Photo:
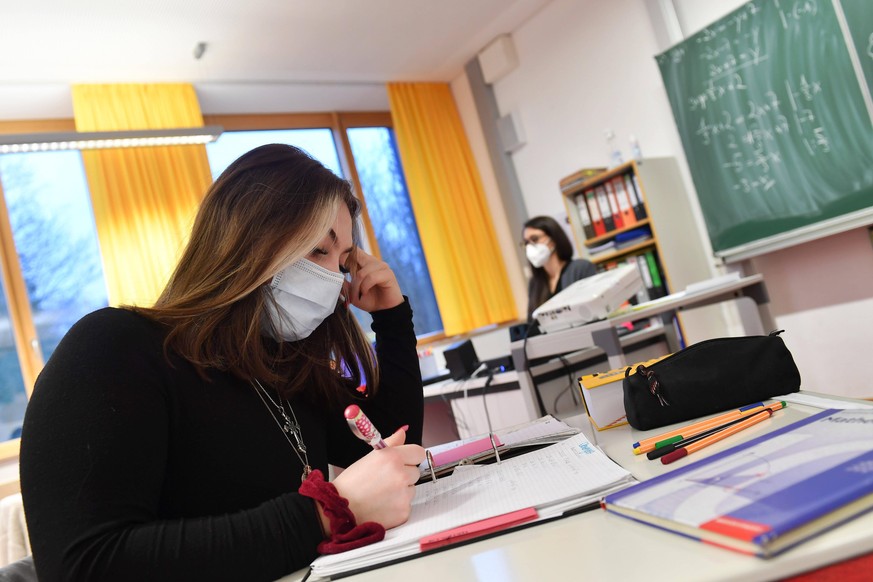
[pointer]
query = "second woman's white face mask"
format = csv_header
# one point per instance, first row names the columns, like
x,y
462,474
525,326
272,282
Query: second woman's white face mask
x,y
538,254
306,294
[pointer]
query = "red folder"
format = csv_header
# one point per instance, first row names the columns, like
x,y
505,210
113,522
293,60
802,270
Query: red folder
x,y
617,219
594,210
624,203
477,528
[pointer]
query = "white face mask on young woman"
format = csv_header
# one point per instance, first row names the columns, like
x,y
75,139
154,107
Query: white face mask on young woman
x,y
305,294
538,254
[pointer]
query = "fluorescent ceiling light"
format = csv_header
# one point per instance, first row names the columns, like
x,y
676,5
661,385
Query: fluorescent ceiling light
x,y
76,140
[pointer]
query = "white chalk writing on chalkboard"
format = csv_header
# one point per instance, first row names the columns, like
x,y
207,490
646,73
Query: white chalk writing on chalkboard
x,y
775,130
760,121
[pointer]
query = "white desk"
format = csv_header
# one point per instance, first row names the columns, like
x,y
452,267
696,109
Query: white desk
x,y
749,294
600,546
455,409
450,389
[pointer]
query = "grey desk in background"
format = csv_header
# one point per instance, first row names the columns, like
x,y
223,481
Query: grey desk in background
x,y
748,293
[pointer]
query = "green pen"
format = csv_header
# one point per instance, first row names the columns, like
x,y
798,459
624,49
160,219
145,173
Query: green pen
x,y
668,441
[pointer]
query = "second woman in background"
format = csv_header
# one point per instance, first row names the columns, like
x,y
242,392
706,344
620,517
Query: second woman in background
x,y
551,255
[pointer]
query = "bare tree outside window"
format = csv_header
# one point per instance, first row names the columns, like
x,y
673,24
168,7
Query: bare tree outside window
x,y
56,242
390,211
13,399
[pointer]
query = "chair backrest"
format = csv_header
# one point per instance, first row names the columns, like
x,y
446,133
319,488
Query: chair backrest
x,y
14,541
21,570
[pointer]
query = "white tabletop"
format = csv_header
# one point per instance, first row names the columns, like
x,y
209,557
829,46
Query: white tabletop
x,y
600,546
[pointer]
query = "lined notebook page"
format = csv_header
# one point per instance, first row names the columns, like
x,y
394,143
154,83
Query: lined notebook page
x,y
543,428
571,468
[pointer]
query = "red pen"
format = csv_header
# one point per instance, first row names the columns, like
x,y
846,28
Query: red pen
x,y
363,428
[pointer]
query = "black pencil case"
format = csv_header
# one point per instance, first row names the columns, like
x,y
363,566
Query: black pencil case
x,y
707,377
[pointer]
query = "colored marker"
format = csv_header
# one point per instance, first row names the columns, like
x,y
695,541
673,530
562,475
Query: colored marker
x,y
672,443
714,438
363,428
646,445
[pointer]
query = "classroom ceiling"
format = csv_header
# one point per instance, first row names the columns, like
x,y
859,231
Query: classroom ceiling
x,y
267,41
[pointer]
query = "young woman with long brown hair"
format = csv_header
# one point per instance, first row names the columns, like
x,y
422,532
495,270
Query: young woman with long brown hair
x,y
169,442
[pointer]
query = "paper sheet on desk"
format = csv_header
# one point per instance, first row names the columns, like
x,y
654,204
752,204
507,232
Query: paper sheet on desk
x,y
540,430
552,479
712,283
823,403
647,304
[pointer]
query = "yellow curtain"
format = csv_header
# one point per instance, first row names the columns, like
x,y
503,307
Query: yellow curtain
x,y
457,234
144,199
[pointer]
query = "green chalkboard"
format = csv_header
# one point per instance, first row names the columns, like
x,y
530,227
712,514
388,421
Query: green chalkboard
x,y
772,104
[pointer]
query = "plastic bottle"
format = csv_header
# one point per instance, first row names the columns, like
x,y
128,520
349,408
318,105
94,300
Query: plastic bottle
x,y
615,157
636,152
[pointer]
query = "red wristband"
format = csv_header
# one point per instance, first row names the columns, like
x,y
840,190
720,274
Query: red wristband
x,y
345,534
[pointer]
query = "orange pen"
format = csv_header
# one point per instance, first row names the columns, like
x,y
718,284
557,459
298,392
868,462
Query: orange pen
x,y
723,434
646,445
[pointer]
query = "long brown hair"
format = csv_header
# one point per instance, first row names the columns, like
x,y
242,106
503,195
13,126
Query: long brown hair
x,y
539,290
269,208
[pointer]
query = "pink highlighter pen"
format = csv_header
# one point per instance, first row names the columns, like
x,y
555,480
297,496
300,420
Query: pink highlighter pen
x,y
363,428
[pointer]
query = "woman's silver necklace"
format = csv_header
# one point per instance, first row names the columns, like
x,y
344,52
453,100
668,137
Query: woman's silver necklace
x,y
290,428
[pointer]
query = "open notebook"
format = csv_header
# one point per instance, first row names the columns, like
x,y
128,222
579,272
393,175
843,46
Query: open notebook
x,y
552,480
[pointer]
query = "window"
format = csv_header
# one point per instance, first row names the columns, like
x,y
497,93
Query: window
x,y
13,398
318,143
384,187
388,216
55,239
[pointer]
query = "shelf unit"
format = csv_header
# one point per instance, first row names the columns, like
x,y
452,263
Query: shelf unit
x,y
605,211
678,240
622,193
606,257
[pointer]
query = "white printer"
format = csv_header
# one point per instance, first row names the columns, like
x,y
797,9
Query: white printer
x,y
589,299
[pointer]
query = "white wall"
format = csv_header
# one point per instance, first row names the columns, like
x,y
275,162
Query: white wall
x,y
585,66
576,78
822,295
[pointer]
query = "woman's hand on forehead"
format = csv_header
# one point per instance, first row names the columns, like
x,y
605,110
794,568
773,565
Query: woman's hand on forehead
x,y
373,286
